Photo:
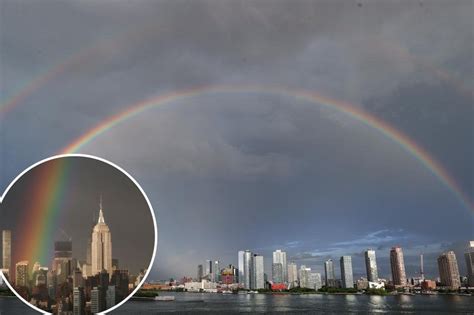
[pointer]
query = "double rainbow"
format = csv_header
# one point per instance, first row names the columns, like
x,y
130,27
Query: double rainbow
x,y
352,111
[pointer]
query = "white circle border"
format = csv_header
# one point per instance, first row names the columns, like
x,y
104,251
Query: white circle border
x,y
150,207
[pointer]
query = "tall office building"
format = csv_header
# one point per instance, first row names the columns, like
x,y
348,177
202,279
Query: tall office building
x,y
208,270
469,256
397,265
247,271
240,266
292,275
101,246
448,270
258,273
346,272
329,273
217,268
79,301
371,265
22,274
200,273
7,250
279,257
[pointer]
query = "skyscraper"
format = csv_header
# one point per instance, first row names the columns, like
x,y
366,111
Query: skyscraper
x,y
217,269
200,273
469,256
279,257
7,250
292,275
329,273
304,275
397,265
22,275
241,266
448,270
258,273
314,281
101,251
277,273
371,265
346,272
247,271
208,271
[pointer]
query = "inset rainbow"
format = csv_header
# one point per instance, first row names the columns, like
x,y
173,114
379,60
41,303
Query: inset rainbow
x,y
40,220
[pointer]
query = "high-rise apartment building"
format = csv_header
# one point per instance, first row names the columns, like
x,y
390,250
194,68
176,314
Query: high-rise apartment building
x,y
329,273
277,273
279,257
101,251
315,281
448,270
292,275
371,265
397,265
469,256
346,272
304,275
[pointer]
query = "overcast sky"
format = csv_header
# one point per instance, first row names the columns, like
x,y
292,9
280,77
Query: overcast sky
x,y
232,171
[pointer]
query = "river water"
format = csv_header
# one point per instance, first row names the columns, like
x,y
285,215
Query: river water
x,y
262,303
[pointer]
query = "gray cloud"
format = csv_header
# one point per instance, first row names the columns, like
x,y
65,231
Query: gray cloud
x,y
255,171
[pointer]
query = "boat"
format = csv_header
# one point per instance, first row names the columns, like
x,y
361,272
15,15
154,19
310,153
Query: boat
x,y
165,298
226,292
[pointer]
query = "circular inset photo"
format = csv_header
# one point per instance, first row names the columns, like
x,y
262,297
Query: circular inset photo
x,y
78,235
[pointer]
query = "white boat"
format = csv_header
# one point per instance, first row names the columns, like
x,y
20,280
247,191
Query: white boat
x,y
165,298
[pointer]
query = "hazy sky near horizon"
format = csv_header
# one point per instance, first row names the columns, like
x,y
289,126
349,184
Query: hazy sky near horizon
x,y
259,171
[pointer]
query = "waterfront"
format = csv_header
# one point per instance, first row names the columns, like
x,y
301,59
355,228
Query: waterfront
x,y
308,303
264,303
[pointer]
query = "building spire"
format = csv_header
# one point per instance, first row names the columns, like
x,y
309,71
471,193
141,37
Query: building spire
x,y
101,213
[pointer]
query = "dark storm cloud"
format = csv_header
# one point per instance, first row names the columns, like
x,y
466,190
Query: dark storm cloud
x,y
125,210
255,171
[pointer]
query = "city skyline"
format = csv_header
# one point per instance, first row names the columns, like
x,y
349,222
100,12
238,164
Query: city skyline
x,y
69,284
446,262
89,188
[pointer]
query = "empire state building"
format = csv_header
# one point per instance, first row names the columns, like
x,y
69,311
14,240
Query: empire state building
x,y
101,251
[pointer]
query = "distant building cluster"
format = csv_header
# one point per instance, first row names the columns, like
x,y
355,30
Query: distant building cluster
x,y
72,286
250,274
